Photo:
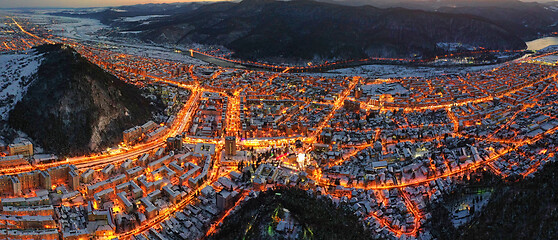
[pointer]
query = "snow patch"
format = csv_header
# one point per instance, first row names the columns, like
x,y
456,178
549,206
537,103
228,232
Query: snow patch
x,y
118,10
141,18
17,72
131,32
402,71
76,28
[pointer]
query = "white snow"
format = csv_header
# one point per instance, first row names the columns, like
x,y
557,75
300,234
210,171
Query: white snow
x,y
17,72
460,211
141,18
454,46
131,32
87,30
551,59
401,71
384,88
118,10
76,28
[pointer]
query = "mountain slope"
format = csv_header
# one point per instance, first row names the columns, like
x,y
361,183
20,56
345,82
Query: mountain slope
x,y
426,4
527,20
74,106
527,209
517,209
18,71
305,29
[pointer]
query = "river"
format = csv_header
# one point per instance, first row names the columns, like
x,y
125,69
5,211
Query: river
x,y
541,43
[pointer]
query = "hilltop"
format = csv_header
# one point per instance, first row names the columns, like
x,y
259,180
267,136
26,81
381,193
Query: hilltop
x,y
307,217
74,107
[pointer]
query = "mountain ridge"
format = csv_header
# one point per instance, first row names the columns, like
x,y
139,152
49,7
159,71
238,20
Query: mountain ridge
x,y
307,30
268,29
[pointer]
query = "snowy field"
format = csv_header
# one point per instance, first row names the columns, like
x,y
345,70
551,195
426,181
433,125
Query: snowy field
x,y
88,32
75,28
384,88
18,71
141,18
401,71
551,59
158,52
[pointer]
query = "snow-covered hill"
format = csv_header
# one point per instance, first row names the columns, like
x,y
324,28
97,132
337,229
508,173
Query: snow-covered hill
x,y
17,72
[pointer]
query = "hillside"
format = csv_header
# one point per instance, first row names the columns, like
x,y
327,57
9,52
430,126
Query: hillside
x,y
527,20
296,30
18,72
427,4
524,209
311,217
256,29
74,107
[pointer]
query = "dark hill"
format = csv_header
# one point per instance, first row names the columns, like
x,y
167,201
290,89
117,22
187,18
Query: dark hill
x,y
304,29
75,107
527,209
317,218
517,209
529,21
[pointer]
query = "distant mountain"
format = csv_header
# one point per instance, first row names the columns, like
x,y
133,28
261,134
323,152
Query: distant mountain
x,y
302,29
424,4
527,20
306,30
74,107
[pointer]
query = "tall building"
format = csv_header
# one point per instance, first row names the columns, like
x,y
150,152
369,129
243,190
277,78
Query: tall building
x,y
178,142
174,143
131,135
45,180
24,147
73,180
148,126
230,146
358,91
225,199
30,180
10,185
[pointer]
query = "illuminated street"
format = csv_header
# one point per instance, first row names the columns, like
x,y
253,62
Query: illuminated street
x,y
387,147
